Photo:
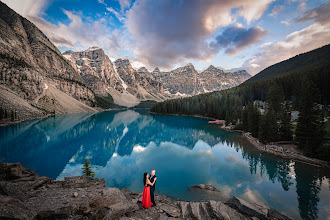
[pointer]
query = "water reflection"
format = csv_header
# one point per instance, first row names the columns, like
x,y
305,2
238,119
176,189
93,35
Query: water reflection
x,y
185,151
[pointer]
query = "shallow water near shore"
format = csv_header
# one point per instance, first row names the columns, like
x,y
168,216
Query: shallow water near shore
x,y
185,151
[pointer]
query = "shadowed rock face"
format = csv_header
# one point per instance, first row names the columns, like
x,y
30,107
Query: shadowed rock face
x,y
25,195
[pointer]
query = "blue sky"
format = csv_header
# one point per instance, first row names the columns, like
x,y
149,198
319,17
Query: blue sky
x,y
171,33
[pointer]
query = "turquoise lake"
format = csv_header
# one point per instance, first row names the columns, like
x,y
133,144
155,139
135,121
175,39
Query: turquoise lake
x,y
185,151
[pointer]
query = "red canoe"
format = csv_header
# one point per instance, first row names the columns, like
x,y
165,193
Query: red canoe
x,y
216,122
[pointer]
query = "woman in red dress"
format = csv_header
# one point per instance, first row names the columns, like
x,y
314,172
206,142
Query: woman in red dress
x,y
146,200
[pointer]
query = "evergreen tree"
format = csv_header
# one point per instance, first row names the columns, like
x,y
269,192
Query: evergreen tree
x,y
1,113
285,130
87,170
12,117
309,128
275,97
268,127
253,119
245,119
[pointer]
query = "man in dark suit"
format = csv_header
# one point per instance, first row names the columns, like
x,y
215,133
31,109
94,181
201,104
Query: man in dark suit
x,y
152,188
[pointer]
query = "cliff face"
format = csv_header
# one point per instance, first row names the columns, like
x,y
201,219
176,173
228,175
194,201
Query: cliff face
x,y
140,83
92,63
30,63
181,81
187,81
214,79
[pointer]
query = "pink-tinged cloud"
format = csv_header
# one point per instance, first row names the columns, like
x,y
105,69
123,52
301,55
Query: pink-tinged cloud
x,y
167,32
276,10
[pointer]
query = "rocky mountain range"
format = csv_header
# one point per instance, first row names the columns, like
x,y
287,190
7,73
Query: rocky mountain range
x,y
186,81
125,85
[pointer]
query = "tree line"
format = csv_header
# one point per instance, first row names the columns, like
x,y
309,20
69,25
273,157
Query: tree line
x,y
4,114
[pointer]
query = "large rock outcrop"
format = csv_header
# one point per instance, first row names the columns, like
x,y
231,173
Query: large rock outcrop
x,y
30,63
25,195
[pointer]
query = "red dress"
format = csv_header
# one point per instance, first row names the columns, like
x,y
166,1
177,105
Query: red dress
x,y
146,199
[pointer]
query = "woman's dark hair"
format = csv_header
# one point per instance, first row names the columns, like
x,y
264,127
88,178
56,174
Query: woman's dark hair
x,y
145,178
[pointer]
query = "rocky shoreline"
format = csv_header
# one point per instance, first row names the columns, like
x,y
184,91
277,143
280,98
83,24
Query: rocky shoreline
x,y
284,152
26,195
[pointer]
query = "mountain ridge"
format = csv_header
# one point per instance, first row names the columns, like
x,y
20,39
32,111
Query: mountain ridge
x,y
186,81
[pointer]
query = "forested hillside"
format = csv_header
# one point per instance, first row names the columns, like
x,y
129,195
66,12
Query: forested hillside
x,y
301,83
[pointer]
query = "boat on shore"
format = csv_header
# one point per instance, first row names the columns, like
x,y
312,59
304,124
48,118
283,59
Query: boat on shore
x,y
218,122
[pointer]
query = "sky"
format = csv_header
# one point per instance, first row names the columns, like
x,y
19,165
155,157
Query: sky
x,y
245,34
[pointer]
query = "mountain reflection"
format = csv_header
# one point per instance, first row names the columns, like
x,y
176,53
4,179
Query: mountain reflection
x,y
121,145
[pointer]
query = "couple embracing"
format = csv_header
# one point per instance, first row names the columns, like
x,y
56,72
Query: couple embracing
x,y
148,198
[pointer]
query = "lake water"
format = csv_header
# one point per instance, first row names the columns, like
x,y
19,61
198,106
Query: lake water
x,y
122,145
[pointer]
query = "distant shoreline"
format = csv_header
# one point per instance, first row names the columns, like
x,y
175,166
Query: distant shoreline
x,y
8,122
195,116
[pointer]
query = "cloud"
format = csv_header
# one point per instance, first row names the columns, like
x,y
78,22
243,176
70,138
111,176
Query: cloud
x,y
102,2
287,23
27,7
117,14
167,32
237,37
302,7
277,9
124,4
319,14
266,44
314,36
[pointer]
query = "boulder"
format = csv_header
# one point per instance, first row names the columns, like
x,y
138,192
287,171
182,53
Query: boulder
x,y
212,192
255,210
207,187
208,210
10,170
170,210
